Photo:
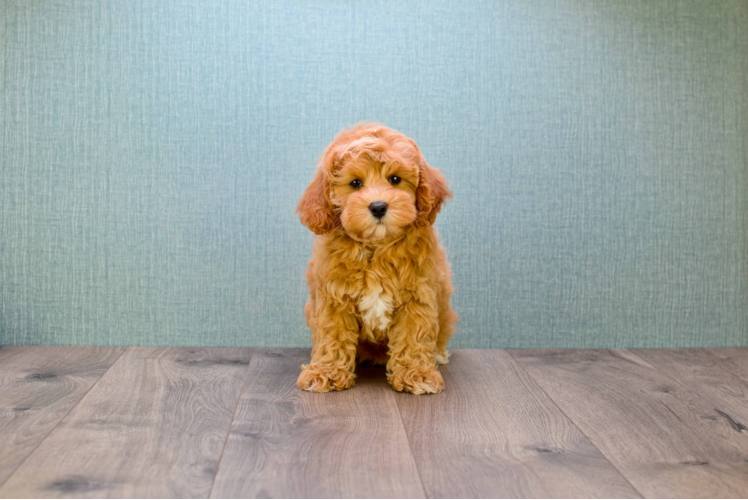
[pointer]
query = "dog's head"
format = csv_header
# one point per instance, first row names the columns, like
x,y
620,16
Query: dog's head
x,y
373,183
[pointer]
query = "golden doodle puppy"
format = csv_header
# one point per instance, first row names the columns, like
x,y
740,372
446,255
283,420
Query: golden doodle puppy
x,y
379,282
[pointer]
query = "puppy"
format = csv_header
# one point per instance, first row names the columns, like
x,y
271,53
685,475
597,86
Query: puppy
x,y
379,282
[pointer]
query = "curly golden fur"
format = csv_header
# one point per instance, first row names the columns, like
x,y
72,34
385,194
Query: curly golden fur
x,y
379,282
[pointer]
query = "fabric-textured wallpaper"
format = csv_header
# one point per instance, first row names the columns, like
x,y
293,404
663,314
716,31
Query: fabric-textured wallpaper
x,y
153,153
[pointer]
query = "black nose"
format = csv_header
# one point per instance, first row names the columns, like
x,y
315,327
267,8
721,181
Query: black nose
x,y
378,209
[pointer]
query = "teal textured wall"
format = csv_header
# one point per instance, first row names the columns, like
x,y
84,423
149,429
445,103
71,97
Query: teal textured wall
x,y
153,153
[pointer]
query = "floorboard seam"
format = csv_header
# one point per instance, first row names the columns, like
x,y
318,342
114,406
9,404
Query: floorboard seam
x,y
410,447
573,422
64,417
231,424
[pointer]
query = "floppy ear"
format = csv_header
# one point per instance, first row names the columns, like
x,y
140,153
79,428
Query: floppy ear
x,y
314,208
431,192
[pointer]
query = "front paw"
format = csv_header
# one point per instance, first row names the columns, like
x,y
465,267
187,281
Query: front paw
x,y
324,378
416,379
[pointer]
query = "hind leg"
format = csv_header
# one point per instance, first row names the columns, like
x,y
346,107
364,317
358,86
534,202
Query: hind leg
x,y
447,320
311,317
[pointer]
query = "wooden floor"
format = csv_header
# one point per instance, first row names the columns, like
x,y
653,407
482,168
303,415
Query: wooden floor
x,y
210,422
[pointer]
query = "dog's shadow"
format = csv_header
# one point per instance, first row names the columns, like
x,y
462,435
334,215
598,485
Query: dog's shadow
x,y
370,374
376,375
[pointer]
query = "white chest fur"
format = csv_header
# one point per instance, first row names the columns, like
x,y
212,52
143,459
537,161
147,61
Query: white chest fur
x,y
375,309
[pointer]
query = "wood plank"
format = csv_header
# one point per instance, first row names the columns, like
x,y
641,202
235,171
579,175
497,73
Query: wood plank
x,y
663,437
494,433
732,359
704,374
287,443
153,426
39,385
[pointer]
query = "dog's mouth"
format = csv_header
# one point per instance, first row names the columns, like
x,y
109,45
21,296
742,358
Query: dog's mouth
x,y
375,231
363,225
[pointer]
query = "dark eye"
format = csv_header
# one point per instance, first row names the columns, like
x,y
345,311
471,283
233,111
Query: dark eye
x,y
355,184
394,180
